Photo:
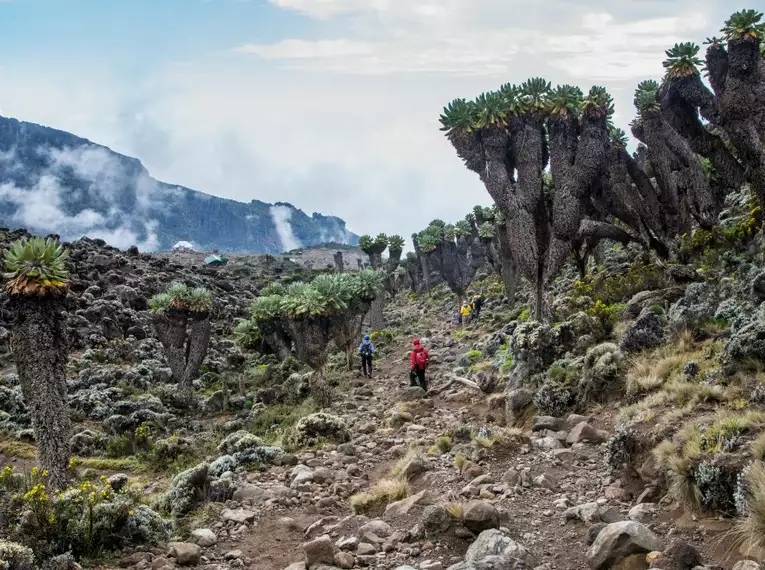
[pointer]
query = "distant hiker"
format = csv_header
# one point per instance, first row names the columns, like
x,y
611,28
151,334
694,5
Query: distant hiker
x,y
418,362
366,350
465,314
477,304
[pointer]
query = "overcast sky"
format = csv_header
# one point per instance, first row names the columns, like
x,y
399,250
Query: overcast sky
x,y
331,105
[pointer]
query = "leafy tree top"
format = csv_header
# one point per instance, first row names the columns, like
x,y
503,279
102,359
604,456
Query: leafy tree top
x,y
36,266
247,334
618,137
745,25
463,228
373,246
646,95
396,243
682,60
534,97
487,230
180,297
324,296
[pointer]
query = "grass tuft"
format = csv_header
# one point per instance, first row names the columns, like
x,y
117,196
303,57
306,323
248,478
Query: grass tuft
x,y
384,492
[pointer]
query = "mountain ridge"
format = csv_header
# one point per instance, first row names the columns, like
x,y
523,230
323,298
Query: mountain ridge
x,y
53,181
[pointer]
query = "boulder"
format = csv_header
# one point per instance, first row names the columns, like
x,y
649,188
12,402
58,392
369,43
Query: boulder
x,y
204,537
318,552
185,553
479,516
402,507
584,432
495,543
239,516
647,331
436,520
620,540
492,563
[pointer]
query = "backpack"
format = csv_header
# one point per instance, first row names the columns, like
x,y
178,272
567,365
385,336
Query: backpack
x,y
366,349
420,360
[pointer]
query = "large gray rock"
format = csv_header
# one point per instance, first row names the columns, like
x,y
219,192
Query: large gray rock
x,y
619,540
436,520
402,507
185,553
478,516
204,537
238,515
585,433
493,542
516,401
318,552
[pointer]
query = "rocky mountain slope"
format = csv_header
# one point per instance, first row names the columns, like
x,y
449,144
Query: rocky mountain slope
x,y
52,181
480,473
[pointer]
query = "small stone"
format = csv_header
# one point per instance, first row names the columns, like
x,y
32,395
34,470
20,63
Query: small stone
x,y
233,555
366,549
642,512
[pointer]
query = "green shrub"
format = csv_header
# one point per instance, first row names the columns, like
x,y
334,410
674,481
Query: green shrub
x,y
85,519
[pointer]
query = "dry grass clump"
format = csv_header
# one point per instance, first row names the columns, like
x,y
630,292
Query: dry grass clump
x,y
414,454
460,460
383,493
456,510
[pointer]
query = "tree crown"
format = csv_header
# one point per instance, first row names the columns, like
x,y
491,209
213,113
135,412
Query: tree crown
x,y
36,266
682,60
745,25
180,297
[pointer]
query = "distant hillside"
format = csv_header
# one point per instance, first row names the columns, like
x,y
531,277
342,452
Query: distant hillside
x,y
52,181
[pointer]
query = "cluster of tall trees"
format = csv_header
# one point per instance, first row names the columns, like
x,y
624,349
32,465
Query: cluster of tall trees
x,y
453,253
697,143
315,317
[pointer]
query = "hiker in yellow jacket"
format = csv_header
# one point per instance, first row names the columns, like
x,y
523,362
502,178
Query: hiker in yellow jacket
x,y
465,314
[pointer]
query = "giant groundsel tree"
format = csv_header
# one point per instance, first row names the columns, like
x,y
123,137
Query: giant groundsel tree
x,y
37,286
316,316
181,317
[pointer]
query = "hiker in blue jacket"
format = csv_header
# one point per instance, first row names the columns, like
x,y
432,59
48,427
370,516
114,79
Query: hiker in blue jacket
x,y
366,350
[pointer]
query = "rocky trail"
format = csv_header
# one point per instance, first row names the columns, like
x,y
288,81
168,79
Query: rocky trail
x,y
547,488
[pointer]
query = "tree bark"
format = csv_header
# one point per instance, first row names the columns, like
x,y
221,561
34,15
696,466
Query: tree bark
x,y
39,346
185,340
339,264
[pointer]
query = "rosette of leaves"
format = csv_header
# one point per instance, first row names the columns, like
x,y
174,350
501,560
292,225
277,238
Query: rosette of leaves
x,y
598,102
36,266
463,229
682,60
396,243
487,231
535,94
646,96
180,297
566,100
247,334
745,25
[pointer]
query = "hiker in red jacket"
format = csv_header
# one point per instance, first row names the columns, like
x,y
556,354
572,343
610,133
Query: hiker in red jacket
x,y
418,363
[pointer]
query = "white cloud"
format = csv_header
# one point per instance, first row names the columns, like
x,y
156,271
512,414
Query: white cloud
x,y
282,216
349,125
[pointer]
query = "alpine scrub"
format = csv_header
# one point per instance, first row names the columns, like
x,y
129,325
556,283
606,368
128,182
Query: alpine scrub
x,y
38,281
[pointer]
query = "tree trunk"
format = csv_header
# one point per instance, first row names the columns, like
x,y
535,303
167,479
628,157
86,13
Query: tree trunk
x,y
185,350
376,317
509,267
196,350
339,264
40,350
171,331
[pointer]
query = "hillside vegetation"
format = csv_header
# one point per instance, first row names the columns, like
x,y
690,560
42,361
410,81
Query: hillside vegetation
x,y
606,410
